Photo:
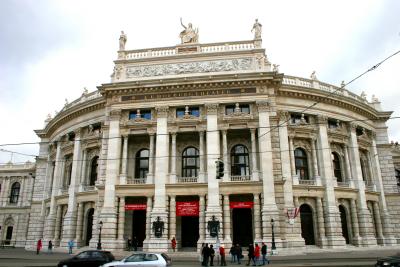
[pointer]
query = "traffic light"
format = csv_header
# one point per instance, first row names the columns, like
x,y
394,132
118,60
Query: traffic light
x,y
219,169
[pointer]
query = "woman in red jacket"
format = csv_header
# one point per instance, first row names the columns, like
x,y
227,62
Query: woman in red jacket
x,y
257,254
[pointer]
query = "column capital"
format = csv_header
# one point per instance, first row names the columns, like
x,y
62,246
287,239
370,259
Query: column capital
x,y
352,126
263,105
283,115
253,130
373,134
115,114
212,108
321,119
162,111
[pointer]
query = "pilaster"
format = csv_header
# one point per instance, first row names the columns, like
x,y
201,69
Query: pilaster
x,y
123,174
255,173
172,176
202,174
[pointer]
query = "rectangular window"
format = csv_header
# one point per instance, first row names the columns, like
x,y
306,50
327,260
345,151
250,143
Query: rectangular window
x,y
193,111
297,118
333,124
144,114
243,108
229,109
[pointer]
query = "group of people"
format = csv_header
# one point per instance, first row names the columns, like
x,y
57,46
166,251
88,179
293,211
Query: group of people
x,y
257,255
39,246
208,254
133,244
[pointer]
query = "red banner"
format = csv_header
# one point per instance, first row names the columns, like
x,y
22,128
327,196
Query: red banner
x,y
241,204
135,206
187,208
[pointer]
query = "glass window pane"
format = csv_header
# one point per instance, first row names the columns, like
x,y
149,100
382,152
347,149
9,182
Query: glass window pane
x,y
245,109
195,112
180,112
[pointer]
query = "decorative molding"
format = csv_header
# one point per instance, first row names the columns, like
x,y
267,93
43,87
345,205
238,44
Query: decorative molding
x,y
186,68
212,109
283,115
263,105
322,119
115,114
162,111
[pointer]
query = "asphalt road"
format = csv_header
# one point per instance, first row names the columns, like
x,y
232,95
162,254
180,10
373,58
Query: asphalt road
x,y
10,257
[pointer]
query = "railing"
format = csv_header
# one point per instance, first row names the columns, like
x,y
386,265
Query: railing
x,y
343,184
10,165
89,187
307,182
187,179
136,181
83,98
203,48
240,178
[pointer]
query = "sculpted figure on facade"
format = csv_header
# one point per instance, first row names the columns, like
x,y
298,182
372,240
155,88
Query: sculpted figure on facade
x,y
189,35
122,41
313,76
257,28
275,68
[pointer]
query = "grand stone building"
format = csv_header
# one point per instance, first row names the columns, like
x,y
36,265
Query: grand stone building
x,y
138,155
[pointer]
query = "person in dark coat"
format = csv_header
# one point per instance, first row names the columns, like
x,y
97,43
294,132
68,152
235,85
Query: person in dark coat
x,y
135,243
250,255
238,251
212,254
264,253
206,254
232,251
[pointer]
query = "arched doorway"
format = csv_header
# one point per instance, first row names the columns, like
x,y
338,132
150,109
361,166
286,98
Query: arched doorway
x,y
89,226
307,224
343,220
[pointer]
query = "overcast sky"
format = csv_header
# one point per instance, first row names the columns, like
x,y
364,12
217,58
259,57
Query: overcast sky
x,y
51,50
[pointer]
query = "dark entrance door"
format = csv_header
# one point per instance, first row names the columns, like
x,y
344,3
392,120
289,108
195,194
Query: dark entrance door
x,y
307,224
343,220
9,235
139,226
189,231
89,226
242,223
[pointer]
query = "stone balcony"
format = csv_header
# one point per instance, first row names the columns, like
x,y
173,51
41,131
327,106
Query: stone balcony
x,y
240,178
136,181
307,182
187,179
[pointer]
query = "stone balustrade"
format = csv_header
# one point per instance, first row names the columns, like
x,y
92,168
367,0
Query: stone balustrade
x,y
306,182
187,179
17,166
240,178
136,180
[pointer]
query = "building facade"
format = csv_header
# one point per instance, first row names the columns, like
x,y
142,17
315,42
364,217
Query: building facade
x,y
305,161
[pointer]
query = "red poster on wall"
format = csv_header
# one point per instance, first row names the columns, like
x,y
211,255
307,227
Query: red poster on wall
x,y
135,206
241,204
187,208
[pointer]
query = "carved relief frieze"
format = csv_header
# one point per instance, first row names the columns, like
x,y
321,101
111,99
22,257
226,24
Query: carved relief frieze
x,y
186,68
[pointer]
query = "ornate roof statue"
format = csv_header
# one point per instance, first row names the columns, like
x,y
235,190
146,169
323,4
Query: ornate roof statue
x,y
189,35
257,28
313,76
122,41
275,67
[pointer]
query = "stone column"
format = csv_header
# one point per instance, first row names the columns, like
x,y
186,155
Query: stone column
x,y
148,219
150,174
121,221
378,223
269,208
227,222
255,174
172,176
225,155
321,223
57,227
213,153
385,216
364,216
108,213
51,218
201,156
202,225
172,217
161,174
317,177
347,166
354,223
2,194
295,177
79,225
84,179
22,192
69,229
123,174
257,219
333,229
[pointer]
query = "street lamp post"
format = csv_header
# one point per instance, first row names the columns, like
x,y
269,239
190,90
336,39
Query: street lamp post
x,y
273,247
99,241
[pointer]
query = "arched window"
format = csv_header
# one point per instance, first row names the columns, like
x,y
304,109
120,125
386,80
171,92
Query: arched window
x,y
190,162
363,169
15,192
300,158
337,171
93,170
240,161
142,163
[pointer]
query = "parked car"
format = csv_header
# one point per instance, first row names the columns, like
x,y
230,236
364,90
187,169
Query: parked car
x,y
146,259
392,261
88,258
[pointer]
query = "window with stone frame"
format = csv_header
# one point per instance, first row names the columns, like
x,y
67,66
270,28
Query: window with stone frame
x,y
333,124
296,118
240,163
364,171
14,194
67,171
140,113
192,111
301,164
93,170
397,173
190,162
337,170
237,108
142,163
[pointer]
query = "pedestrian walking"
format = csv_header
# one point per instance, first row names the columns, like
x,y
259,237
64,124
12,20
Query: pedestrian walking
x,y
206,254
257,255
173,243
264,250
250,255
212,255
232,251
38,246
70,246
129,244
201,254
239,254
222,254
135,243
50,247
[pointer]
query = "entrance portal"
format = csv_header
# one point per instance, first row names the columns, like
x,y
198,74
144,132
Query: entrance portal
x,y
9,235
343,220
242,223
307,224
139,226
189,231
89,226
